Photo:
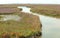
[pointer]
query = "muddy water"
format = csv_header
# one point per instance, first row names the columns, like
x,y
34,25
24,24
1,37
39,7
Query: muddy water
x,y
50,25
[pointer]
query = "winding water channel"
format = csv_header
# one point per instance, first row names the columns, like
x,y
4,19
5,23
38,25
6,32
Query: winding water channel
x,y
50,25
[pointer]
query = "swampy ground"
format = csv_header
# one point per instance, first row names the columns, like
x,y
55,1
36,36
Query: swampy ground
x,y
28,25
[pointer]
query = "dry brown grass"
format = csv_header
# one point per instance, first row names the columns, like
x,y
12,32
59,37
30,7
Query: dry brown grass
x,y
49,10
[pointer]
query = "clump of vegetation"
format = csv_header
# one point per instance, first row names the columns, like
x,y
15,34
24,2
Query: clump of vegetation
x,y
1,17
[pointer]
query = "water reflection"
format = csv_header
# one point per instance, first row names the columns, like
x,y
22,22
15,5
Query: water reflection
x,y
25,9
9,17
50,25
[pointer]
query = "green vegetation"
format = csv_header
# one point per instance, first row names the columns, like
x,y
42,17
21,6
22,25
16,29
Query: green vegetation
x,y
24,27
0,17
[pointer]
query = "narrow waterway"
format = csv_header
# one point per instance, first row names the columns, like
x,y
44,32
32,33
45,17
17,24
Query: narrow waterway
x,y
50,25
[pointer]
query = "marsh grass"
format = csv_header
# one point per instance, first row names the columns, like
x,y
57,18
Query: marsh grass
x,y
46,11
24,27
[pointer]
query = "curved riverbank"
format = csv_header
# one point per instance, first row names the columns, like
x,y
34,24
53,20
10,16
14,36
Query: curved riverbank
x,y
50,25
47,12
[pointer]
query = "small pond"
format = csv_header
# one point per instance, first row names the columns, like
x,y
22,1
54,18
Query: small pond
x,y
50,25
9,17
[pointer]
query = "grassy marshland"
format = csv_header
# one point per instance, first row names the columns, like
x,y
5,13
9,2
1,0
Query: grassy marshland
x,y
27,25
49,10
